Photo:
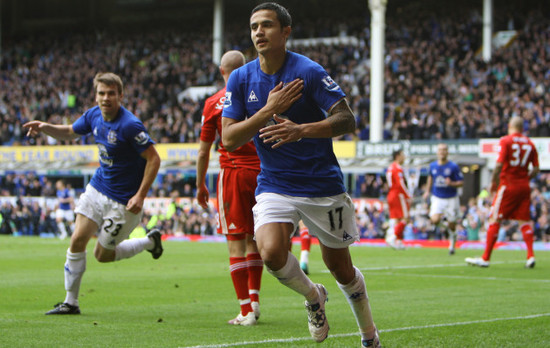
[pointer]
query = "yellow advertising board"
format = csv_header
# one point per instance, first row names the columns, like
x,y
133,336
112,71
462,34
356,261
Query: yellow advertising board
x,y
84,153
345,149
89,153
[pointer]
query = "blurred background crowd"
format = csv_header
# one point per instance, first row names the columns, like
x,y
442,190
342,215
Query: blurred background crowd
x,y
20,214
436,87
436,84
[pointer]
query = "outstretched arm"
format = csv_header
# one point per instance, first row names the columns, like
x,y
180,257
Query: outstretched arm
x,y
59,132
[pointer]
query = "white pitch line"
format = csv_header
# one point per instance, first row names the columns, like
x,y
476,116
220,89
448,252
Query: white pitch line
x,y
466,277
408,328
443,265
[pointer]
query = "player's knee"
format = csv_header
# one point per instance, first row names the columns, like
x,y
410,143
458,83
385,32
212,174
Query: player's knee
x,y
78,242
342,272
273,258
104,255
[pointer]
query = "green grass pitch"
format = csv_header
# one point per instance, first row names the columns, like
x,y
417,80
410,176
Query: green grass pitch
x,y
419,298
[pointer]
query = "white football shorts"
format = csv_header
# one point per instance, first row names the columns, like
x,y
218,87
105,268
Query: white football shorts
x,y
62,214
448,207
331,219
114,221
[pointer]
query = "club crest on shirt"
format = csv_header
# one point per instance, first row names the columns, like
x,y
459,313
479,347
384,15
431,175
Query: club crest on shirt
x,y
111,137
330,84
447,171
227,102
141,138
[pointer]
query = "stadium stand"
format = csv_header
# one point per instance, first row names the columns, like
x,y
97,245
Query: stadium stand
x,y
436,87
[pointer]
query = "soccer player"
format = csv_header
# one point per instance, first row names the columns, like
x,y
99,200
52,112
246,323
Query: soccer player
x,y
510,181
398,201
112,203
444,179
236,186
64,212
292,109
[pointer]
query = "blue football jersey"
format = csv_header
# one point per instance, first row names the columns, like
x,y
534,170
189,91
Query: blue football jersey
x,y
439,173
62,194
307,168
120,144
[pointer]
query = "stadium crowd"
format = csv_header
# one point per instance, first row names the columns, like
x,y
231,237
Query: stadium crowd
x,y
185,217
436,85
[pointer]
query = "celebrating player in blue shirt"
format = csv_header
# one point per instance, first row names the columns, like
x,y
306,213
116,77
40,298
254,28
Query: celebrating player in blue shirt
x,y
292,109
444,179
113,201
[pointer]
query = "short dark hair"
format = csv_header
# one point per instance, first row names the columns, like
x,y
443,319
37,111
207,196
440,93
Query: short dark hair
x,y
396,153
110,79
282,13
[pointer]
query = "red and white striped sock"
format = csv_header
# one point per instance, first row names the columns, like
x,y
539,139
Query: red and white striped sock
x,y
238,267
527,232
492,235
255,269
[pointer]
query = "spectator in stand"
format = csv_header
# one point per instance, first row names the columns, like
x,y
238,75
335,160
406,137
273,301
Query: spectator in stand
x,y
372,186
7,226
445,92
48,189
36,217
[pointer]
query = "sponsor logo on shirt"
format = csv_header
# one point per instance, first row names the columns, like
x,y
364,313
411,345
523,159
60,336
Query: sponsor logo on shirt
x,y
141,138
227,102
330,84
104,155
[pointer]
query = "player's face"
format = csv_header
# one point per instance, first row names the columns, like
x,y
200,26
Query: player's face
x,y
401,158
108,99
442,153
266,32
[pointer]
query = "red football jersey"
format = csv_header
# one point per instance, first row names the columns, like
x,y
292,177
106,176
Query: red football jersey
x,y
396,181
516,153
243,157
